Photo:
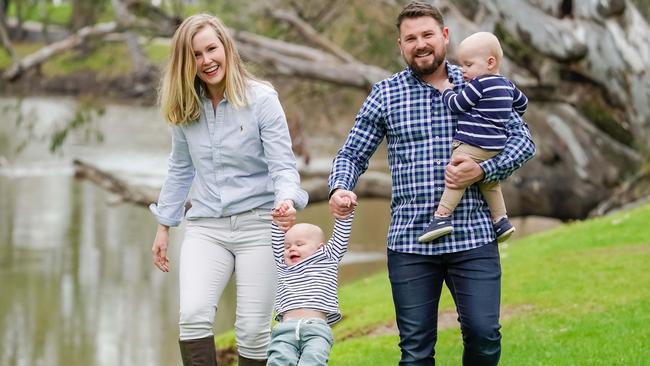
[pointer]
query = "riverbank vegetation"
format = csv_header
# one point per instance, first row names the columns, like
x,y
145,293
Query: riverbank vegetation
x,y
575,295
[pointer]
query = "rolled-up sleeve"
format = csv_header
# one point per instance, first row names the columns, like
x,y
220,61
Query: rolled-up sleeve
x,y
170,208
277,150
519,149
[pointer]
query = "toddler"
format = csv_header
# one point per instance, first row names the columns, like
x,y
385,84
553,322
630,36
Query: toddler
x,y
306,302
483,106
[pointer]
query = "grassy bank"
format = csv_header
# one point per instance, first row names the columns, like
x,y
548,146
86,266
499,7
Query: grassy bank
x,y
576,295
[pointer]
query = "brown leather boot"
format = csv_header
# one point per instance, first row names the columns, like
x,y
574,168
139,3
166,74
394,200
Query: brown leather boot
x,y
198,352
243,361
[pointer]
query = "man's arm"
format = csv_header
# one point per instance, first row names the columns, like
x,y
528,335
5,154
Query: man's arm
x,y
338,243
519,149
364,138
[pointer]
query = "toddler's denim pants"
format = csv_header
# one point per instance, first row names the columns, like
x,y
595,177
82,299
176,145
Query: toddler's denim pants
x,y
302,342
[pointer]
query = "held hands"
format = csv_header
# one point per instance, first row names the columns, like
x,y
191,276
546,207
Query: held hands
x,y
284,215
342,202
462,171
159,248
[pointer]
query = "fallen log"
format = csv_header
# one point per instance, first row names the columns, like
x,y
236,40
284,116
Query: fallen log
x,y
113,184
371,185
43,54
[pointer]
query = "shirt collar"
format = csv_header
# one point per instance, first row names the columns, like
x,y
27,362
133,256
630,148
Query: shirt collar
x,y
203,95
453,73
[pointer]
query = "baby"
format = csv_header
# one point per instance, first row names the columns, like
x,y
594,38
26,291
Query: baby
x,y
483,106
306,303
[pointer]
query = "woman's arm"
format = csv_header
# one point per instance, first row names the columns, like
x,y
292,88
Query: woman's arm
x,y
170,209
276,142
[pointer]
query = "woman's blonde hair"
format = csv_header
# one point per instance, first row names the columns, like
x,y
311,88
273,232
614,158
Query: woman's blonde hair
x,y
179,93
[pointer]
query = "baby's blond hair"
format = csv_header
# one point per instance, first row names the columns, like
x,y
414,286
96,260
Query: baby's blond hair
x,y
485,44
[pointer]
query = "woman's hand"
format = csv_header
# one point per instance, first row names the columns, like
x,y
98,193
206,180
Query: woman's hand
x,y
159,248
284,215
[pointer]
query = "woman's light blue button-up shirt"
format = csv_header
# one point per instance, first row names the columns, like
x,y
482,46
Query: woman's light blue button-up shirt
x,y
235,160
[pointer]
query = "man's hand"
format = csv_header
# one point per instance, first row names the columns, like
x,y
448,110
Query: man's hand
x,y
342,202
462,171
284,215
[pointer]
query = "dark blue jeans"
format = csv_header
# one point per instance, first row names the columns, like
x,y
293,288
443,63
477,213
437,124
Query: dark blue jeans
x,y
474,280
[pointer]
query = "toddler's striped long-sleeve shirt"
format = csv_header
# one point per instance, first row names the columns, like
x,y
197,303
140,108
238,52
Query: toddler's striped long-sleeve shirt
x,y
312,283
484,106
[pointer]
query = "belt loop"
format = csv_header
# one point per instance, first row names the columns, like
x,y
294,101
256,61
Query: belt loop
x,y
298,329
233,222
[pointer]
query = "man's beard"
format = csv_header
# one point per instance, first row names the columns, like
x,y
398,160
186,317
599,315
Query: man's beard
x,y
426,69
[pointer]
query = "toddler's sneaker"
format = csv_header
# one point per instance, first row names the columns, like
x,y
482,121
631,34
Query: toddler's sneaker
x,y
438,227
504,229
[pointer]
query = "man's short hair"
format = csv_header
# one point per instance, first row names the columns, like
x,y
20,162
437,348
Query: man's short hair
x,y
417,9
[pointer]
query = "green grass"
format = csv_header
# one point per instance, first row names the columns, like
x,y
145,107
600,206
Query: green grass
x,y
21,50
106,60
157,53
576,295
58,15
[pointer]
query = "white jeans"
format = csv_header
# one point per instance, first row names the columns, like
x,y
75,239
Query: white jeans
x,y
212,250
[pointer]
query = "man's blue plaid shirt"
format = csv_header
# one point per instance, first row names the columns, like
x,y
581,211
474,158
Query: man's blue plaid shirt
x,y
419,130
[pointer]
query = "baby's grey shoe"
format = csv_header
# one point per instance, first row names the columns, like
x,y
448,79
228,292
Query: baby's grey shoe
x,y
438,227
504,229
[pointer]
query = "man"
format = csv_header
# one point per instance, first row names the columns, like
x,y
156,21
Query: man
x,y
407,109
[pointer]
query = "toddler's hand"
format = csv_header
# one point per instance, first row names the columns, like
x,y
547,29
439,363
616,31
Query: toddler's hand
x,y
284,215
447,85
443,84
282,208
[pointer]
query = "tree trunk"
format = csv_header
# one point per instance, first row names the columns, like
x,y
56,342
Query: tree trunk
x,y
85,13
4,35
140,62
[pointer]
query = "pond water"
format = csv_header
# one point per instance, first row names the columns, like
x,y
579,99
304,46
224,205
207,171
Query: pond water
x,y
77,281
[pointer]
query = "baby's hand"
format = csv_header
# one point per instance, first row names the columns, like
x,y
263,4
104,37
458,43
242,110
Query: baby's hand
x,y
441,85
284,215
281,209
446,85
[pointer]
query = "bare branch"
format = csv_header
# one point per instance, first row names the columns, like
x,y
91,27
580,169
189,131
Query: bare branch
x,y
310,34
355,75
286,48
40,56
296,60
113,184
141,64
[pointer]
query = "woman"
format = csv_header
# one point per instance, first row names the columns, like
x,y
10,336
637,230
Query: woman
x,y
231,144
